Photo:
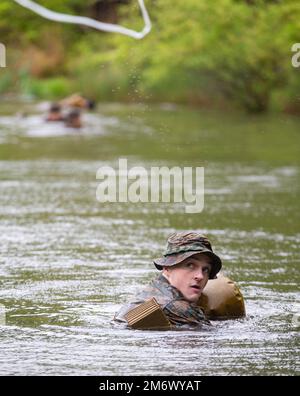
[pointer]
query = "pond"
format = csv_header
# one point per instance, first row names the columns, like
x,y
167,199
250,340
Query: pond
x,y
68,262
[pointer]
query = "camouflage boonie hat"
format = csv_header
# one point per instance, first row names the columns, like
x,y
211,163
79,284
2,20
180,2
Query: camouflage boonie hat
x,y
181,245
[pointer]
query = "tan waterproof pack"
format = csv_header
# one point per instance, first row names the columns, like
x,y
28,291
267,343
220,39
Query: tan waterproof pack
x,y
222,299
148,316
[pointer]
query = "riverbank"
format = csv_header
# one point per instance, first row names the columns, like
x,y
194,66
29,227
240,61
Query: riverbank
x,y
208,54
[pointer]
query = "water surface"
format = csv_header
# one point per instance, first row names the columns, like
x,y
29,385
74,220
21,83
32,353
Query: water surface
x,y
68,262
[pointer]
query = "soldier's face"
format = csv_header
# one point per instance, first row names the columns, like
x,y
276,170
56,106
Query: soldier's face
x,y
190,277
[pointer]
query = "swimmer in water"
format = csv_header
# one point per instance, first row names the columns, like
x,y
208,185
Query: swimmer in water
x,y
73,119
55,113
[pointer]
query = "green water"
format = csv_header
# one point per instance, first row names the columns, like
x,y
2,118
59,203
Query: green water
x,y
68,262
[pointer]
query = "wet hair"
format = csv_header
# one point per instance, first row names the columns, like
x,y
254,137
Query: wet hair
x,y
72,119
55,107
73,114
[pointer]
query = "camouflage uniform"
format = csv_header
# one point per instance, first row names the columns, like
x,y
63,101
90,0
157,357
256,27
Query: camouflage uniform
x,y
178,310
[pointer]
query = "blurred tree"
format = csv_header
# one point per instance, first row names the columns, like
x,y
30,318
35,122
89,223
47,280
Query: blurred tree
x,y
199,51
223,48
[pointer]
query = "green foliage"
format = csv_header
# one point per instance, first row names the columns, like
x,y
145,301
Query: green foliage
x,y
225,47
49,88
234,51
5,82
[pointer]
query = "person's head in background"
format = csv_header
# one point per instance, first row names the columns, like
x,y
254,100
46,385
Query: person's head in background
x,y
54,113
73,119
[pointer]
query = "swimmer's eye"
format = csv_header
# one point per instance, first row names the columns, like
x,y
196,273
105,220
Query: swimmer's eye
x,y
189,265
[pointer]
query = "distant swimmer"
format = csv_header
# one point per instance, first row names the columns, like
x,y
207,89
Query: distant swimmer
x,y
73,119
76,100
55,113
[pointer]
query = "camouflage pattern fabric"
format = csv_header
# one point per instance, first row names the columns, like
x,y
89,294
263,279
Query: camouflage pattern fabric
x,y
181,245
178,310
